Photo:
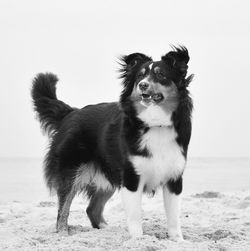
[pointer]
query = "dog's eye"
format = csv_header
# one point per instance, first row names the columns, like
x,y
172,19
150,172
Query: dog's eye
x,y
140,75
160,75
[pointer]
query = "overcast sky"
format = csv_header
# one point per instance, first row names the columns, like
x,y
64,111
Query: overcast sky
x,y
81,40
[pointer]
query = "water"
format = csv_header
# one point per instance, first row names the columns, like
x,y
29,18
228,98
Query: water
x,y
22,179
217,174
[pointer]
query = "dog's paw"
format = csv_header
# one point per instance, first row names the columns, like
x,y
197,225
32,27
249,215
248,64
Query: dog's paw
x,y
176,238
185,241
135,235
179,239
103,225
135,230
63,233
62,230
175,235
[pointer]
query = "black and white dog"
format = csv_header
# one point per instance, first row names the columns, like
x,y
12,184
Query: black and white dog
x,y
136,145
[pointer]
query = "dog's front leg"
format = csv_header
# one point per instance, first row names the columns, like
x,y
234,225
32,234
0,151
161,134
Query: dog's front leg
x,y
172,201
132,205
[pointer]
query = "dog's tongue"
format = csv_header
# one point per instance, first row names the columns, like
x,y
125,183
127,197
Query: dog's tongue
x,y
146,98
157,97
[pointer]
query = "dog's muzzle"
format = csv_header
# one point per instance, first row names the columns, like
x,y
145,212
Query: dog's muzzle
x,y
149,97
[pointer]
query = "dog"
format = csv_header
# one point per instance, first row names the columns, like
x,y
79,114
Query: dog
x,y
135,145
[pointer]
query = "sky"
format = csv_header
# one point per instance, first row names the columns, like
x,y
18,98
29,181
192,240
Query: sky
x,y
80,41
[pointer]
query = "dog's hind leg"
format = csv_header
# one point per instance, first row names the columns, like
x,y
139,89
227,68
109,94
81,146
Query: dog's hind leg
x,y
65,198
98,199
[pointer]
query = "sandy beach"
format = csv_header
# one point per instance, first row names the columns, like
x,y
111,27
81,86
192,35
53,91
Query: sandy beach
x,y
215,212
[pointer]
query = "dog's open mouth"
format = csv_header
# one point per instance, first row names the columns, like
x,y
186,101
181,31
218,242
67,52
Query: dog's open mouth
x,y
146,96
156,97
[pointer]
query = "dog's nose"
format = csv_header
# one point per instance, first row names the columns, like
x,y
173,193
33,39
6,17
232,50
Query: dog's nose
x,y
143,86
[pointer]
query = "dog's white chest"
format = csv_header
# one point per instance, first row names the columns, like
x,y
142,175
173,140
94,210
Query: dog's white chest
x,y
166,160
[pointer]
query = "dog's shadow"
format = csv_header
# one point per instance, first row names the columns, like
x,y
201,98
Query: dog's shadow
x,y
76,229
152,227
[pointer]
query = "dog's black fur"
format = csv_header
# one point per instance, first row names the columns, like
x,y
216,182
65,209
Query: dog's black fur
x,y
104,134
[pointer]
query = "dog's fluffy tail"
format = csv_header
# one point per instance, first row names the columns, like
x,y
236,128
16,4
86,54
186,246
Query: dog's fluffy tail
x,y
50,110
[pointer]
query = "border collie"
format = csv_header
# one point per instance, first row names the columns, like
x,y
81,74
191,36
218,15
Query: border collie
x,y
136,145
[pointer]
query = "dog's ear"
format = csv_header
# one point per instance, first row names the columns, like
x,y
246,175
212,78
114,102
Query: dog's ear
x,y
177,60
131,62
135,59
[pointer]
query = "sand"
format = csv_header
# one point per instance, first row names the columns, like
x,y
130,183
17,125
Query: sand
x,y
217,219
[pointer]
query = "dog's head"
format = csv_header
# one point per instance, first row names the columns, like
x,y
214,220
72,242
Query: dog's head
x,y
154,86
